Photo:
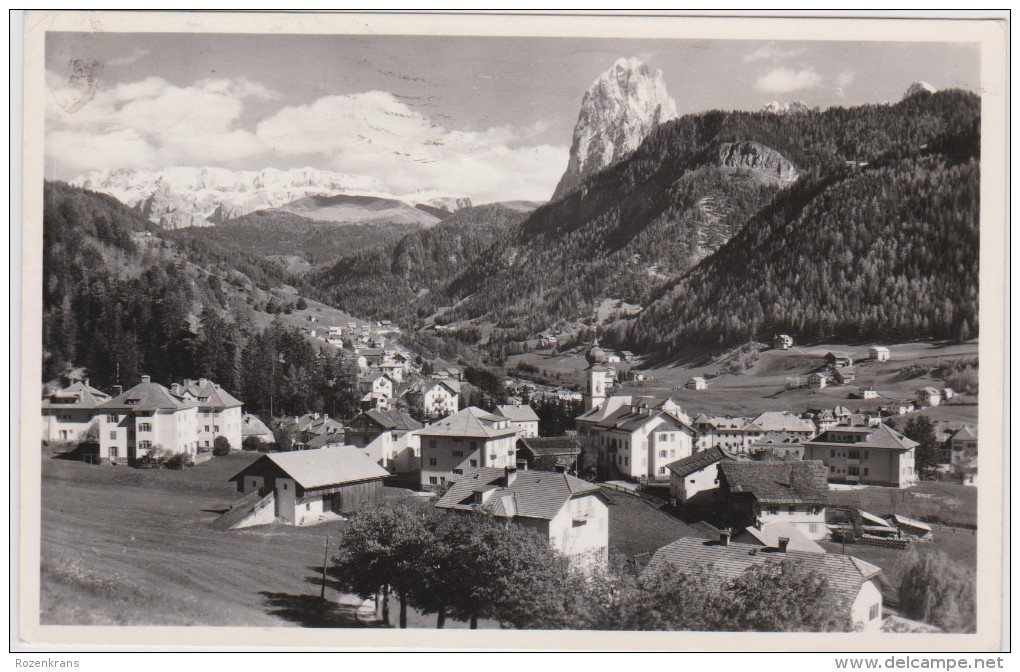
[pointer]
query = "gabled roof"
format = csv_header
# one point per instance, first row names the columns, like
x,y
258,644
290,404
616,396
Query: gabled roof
x,y
628,418
251,425
966,434
471,421
778,482
534,494
910,522
705,458
517,412
845,573
374,376
783,421
880,436
321,468
78,394
929,391
768,535
392,420
210,395
147,397
323,440
551,445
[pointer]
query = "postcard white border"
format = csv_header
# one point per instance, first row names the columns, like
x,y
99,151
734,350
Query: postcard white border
x,y
990,35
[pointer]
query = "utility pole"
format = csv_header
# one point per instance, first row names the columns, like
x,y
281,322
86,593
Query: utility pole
x,y
322,592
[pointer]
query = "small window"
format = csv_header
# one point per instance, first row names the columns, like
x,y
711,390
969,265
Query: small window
x,y
432,461
113,435
432,443
111,418
284,486
433,480
458,471
474,463
113,452
458,453
308,506
254,483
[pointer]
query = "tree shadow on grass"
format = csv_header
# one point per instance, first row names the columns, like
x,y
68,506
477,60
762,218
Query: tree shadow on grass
x,y
309,611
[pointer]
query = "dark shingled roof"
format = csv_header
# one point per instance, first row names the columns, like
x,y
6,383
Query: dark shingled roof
x,y
693,463
551,445
532,494
778,482
393,419
845,573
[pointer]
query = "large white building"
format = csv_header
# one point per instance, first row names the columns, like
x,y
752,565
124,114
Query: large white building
x,y
219,412
636,437
572,514
146,417
389,438
69,413
469,439
867,455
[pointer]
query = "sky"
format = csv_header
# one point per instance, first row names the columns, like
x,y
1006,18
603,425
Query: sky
x,y
491,118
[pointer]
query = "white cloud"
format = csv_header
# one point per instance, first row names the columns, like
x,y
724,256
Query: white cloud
x,y
374,133
845,78
149,123
137,54
771,52
785,80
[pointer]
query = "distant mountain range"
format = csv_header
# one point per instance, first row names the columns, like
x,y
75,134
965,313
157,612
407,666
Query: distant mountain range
x,y
182,197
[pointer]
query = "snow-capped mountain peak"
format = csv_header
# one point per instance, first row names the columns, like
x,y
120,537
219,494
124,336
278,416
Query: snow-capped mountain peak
x,y
183,196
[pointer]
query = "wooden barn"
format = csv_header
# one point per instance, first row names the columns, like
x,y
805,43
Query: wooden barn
x,y
309,483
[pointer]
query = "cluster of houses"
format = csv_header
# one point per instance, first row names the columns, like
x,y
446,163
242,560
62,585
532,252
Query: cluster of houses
x,y
186,417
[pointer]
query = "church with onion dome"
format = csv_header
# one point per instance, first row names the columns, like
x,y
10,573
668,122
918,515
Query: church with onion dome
x,y
599,377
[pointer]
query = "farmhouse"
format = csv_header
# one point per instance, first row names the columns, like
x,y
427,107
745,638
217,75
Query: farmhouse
x,y
696,383
377,384
219,412
145,417
388,438
572,514
879,353
842,375
838,359
928,396
308,483
963,448
854,582
869,455
521,416
468,439
68,413
817,381
694,480
549,453
312,425
758,494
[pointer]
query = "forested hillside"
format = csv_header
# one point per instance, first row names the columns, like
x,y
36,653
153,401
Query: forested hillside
x,y
852,221
119,300
277,233
405,280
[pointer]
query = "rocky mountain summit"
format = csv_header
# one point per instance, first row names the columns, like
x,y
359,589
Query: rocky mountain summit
x,y
619,110
789,107
182,197
918,87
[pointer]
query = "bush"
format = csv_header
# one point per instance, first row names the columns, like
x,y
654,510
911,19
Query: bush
x,y
221,446
179,461
154,458
252,443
